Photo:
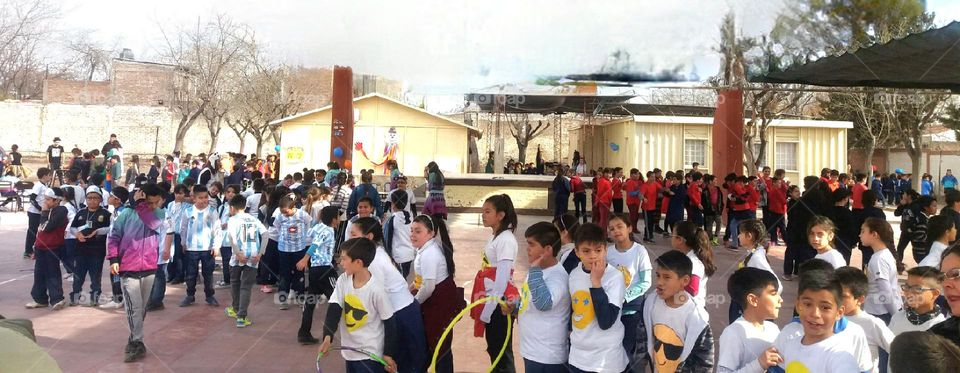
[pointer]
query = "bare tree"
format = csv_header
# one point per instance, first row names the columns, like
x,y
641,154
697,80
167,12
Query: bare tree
x,y
522,130
205,53
88,58
23,25
213,115
911,115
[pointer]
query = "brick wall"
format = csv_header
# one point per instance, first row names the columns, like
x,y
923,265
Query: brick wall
x,y
75,92
141,83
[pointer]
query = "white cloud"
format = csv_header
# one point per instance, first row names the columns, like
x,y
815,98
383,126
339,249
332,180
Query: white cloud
x,y
445,45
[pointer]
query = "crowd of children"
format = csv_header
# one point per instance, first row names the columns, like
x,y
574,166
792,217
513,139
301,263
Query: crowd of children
x,y
387,274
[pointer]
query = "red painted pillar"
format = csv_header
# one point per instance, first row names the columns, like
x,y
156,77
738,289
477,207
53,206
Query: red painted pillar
x,y
341,130
727,131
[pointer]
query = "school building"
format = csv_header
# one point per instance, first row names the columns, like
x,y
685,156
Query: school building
x,y
386,129
801,147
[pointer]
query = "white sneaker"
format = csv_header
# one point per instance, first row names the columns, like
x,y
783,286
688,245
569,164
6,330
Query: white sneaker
x,y
112,305
33,305
60,305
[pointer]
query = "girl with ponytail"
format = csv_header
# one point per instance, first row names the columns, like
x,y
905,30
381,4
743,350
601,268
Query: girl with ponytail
x,y
499,257
396,233
433,286
690,239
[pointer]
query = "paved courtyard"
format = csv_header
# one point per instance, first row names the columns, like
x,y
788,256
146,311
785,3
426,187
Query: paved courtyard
x,y
201,338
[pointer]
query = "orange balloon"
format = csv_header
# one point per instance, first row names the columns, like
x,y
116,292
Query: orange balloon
x,y
348,164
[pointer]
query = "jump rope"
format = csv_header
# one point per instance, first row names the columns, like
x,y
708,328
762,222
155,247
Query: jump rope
x,y
446,332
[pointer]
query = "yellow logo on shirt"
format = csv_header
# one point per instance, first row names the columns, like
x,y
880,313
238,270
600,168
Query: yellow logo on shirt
x,y
667,348
582,309
626,275
354,314
524,297
797,367
484,262
417,281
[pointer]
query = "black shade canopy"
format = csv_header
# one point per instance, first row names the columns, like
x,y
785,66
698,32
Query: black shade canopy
x,y
579,104
926,60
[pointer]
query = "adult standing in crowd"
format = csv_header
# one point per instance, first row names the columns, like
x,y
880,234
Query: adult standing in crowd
x,y
55,159
108,146
948,181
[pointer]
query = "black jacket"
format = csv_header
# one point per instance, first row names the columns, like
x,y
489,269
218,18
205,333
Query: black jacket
x,y
949,329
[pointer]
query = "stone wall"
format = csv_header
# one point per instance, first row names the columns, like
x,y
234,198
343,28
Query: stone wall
x,y
141,129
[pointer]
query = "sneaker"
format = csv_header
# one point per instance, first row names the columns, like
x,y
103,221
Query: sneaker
x,y
112,305
59,305
230,313
154,307
715,241
284,305
307,340
266,289
211,301
176,281
137,352
733,248
647,240
243,322
33,305
27,256
188,300
222,285
787,277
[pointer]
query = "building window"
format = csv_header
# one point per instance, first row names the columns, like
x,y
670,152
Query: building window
x,y
694,151
756,151
787,154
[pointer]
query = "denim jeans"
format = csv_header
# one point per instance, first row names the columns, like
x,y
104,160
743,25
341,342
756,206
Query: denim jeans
x,y
92,265
33,223
47,283
177,265
194,260
159,286
290,277
225,253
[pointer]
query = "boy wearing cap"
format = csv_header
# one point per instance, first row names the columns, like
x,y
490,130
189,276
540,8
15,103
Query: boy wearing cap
x,y
118,196
47,283
91,227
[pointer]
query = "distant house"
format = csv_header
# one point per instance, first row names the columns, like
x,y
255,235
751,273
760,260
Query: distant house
x,y
801,147
421,137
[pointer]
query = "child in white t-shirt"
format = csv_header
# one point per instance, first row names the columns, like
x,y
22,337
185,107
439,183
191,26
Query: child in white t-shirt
x,y
675,330
596,294
752,235
943,230
632,260
411,352
397,234
495,278
921,310
361,310
568,226
821,234
822,340
544,304
854,284
248,239
746,345
883,298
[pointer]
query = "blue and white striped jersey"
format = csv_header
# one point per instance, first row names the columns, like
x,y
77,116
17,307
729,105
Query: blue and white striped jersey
x,y
293,231
200,229
243,233
323,239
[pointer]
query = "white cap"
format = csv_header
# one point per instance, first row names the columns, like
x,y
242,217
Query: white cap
x,y
49,193
94,189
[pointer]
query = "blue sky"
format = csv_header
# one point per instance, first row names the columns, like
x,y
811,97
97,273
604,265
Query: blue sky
x,y
451,47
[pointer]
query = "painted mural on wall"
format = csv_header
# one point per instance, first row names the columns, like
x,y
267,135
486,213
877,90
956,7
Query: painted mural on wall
x,y
389,150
